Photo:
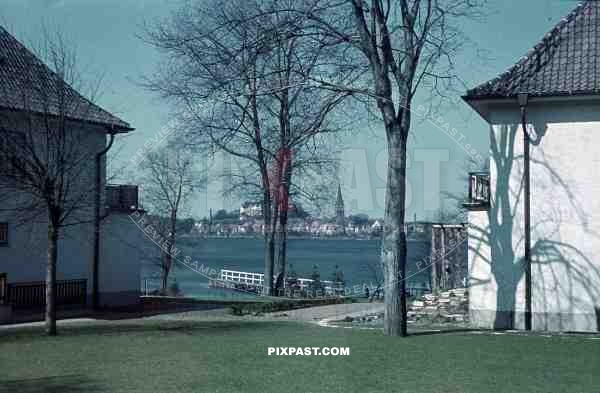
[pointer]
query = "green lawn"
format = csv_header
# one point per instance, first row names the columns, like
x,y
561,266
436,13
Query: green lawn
x,y
232,357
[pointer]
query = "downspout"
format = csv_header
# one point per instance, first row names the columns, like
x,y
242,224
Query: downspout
x,y
97,219
523,98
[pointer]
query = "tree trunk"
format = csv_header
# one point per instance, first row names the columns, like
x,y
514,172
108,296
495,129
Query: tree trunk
x,y
168,257
443,262
434,266
283,219
281,260
268,212
165,272
51,278
393,254
269,262
165,277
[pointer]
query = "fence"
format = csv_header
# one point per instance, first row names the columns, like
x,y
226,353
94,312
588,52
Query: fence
x,y
33,294
242,277
257,279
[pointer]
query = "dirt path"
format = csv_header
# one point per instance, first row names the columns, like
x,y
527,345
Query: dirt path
x,y
330,312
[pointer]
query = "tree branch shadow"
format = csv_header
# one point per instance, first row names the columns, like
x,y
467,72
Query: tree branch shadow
x,y
69,383
562,269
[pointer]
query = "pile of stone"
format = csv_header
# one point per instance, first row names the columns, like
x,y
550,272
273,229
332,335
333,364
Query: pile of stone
x,y
448,306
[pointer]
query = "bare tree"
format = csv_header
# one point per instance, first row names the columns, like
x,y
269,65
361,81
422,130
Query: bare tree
x,y
242,76
170,180
214,74
48,146
401,46
301,111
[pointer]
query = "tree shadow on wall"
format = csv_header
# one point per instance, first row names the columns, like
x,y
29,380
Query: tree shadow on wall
x,y
559,269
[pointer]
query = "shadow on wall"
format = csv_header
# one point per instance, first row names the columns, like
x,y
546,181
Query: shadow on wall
x,y
564,279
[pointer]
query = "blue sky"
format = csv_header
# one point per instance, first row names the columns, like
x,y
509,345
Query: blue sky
x,y
105,35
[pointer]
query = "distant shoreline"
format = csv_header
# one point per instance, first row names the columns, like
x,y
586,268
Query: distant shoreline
x,y
290,237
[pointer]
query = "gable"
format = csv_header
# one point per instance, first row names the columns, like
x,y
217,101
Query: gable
x,y
27,84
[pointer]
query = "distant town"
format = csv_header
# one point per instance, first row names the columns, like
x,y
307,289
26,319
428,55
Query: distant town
x,y
248,221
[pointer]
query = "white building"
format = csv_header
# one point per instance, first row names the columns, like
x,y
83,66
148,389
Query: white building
x,y
24,234
558,83
250,210
328,229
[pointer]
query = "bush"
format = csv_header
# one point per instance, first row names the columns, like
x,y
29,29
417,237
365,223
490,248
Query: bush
x,y
284,305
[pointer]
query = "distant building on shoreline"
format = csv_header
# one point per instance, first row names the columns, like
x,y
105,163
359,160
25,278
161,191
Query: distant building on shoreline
x,y
339,213
249,209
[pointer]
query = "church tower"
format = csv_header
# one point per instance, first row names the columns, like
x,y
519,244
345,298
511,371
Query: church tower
x,y
339,211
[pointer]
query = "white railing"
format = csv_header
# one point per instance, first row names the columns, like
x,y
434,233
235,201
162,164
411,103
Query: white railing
x,y
479,188
258,279
304,283
242,277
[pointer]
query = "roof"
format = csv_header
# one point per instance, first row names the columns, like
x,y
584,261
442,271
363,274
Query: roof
x,y
565,63
340,200
26,84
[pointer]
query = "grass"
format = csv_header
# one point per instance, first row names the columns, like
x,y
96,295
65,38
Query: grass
x,y
232,357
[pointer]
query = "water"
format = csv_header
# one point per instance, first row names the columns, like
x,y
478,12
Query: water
x,y
352,256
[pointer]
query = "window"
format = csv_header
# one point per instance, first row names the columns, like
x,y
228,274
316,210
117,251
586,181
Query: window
x,y
3,233
479,191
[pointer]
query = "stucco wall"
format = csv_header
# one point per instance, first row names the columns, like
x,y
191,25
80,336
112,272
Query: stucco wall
x,y
24,258
565,210
123,248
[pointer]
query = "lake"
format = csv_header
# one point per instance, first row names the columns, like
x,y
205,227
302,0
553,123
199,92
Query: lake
x,y
352,256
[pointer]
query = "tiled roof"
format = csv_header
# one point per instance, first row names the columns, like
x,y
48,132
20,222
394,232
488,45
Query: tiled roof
x,y
26,83
566,62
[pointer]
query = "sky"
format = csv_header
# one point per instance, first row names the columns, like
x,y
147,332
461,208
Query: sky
x,y
106,34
